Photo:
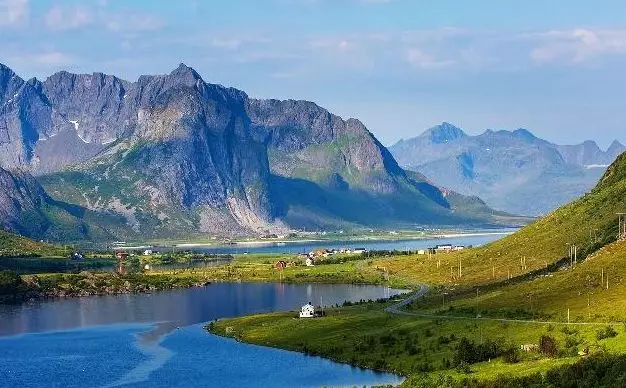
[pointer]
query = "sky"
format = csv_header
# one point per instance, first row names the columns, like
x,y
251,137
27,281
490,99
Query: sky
x,y
401,66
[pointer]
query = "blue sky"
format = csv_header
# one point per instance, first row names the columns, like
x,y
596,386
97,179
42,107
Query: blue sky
x,y
401,66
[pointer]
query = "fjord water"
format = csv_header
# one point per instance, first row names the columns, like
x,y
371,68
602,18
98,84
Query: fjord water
x,y
158,340
476,239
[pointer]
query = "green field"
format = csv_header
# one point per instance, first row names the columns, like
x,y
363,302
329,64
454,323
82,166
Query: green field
x,y
486,303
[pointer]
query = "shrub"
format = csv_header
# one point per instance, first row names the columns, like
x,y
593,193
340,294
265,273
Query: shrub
x,y
511,355
548,346
470,353
606,332
10,282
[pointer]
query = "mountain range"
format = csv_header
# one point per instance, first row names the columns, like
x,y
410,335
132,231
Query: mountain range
x,y
513,171
95,156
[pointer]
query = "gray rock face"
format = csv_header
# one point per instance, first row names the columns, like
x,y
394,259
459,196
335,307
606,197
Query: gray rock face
x,y
306,141
513,171
174,154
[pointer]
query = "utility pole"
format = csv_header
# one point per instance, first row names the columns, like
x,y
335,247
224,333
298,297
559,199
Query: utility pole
x,y
602,281
460,269
568,316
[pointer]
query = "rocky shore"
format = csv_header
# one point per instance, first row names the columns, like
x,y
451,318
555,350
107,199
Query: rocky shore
x,y
35,287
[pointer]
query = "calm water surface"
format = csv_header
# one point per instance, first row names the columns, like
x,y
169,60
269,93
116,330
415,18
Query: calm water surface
x,y
373,245
157,340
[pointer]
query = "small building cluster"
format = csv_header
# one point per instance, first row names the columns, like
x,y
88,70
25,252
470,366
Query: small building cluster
x,y
331,252
442,248
313,257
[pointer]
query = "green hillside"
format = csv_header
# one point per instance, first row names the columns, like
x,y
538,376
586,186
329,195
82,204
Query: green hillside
x,y
589,223
565,316
12,245
594,290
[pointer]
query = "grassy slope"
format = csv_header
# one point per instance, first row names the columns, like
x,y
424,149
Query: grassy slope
x,y
367,336
347,273
12,245
582,290
589,222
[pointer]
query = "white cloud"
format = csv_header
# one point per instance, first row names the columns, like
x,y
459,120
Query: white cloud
x,y
133,22
13,12
419,59
61,19
577,46
226,43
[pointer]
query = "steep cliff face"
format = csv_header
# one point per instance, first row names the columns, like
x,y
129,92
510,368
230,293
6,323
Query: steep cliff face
x,y
185,157
172,155
307,142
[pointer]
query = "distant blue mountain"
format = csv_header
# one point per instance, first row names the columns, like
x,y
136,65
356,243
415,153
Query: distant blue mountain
x,y
514,171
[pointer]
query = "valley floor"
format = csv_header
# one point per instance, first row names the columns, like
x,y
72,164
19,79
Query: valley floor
x,y
454,335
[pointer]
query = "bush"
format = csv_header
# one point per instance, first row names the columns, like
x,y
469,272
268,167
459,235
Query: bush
x,y
470,353
511,355
606,332
10,283
548,346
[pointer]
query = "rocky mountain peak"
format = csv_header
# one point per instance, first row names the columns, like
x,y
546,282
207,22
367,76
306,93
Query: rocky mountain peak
x,y
444,133
10,84
616,148
525,134
185,75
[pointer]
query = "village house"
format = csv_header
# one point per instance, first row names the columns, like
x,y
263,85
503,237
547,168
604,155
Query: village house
x,y
280,264
307,311
444,247
309,262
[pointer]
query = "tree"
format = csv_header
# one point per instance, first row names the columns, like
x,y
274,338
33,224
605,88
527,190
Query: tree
x,y
548,346
10,282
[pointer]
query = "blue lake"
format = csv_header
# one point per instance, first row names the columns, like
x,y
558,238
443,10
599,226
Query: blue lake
x,y
158,340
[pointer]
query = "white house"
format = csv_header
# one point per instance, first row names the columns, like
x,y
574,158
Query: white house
x,y
310,262
421,252
308,311
147,252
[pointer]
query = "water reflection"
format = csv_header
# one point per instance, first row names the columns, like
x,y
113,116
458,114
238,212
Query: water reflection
x,y
179,307
157,340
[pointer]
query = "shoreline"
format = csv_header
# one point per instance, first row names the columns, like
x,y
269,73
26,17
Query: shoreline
x,y
319,240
